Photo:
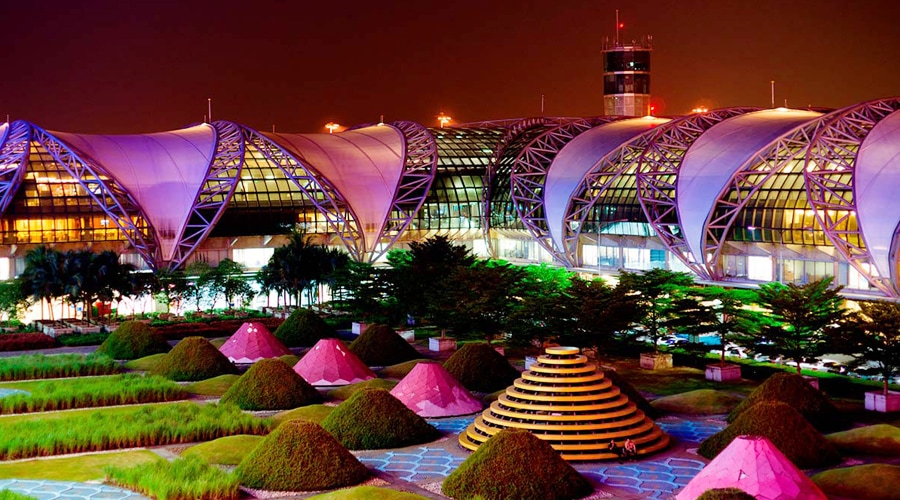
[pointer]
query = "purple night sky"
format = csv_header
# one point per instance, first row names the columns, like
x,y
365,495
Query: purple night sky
x,y
98,66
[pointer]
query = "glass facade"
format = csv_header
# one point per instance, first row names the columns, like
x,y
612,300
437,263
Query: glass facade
x,y
51,206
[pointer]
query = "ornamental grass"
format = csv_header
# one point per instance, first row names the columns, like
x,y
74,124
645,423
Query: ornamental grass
x,y
188,478
786,428
38,366
193,359
145,426
373,419
67,394
12,495
271,385
794,390
300,456
479,367
380,345
133,340
514,463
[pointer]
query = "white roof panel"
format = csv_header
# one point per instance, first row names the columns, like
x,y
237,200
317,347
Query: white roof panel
x,y
365,165
579,157
875,190
162,171
717,155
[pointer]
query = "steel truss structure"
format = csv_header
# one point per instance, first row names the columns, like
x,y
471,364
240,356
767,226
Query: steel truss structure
x,y
529,173
608,171
13,161
419,168
316,188
106,192
516,137
830,176
657,177
214,194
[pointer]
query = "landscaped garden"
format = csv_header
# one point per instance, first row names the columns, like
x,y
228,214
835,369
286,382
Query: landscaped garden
x,y
183,421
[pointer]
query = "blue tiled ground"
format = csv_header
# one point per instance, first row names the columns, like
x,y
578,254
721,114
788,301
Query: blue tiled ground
x,y
64,490
657,476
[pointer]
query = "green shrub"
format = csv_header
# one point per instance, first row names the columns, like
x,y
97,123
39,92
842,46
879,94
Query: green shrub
x,y
401,370
303,328
132,340
725,494
478,367
25,341
228,450
183,479
368,493
38,366
871,481
699,402
82,339
794,390
300,456
785,427
192,359
374,419
880,439
379,345
346,391
128,427
516,464
271,385
66,394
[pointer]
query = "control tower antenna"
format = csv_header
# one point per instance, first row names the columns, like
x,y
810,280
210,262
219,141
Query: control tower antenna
x,y
617,28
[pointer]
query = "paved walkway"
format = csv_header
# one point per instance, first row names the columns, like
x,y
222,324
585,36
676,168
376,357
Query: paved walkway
x,y
657,476
10,392
65,490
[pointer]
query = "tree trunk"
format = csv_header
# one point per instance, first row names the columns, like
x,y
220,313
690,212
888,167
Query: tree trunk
x,y
885,383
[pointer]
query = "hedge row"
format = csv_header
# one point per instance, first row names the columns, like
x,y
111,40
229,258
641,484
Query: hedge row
x,y
25,341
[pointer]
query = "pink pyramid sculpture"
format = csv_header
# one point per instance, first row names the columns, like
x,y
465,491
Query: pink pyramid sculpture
x,y
756,466
430,391
329,362
251,343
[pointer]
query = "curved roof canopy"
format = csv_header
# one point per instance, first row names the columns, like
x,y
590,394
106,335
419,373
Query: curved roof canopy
x,y
162,171
364,165
719,154
877,179
581,156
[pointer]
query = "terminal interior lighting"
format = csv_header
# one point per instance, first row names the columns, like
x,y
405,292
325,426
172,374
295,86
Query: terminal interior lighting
x,y
331,126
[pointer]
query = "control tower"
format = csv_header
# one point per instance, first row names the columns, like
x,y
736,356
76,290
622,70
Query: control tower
x,y
626,76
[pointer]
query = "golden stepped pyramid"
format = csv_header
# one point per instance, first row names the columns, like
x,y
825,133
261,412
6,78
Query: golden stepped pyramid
x,y
568,402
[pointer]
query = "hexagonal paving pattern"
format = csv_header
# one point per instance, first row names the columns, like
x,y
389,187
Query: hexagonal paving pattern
x,y
64,490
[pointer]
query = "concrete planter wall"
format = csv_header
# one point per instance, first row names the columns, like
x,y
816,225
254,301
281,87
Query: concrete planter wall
x,y
438,344
408,335
656,361
723,373
359,328
877,401
813,381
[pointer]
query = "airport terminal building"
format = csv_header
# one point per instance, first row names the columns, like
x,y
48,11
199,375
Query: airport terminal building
x,y
733,195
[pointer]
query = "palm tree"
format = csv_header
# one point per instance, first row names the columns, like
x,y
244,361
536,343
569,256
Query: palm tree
x,y
41,279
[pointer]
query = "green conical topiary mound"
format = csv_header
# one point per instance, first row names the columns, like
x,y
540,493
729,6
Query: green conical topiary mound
x,y
478,367
303,328
379,345
869,481
373,419
794,390
192,359
300,456
133,340
271,385
516,464
725,494
785,427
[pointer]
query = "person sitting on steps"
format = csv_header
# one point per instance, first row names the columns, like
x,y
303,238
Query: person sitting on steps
x,y
630,449
617,450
